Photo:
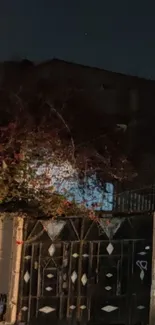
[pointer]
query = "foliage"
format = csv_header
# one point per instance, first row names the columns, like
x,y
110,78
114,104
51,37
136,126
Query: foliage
x,y
37,132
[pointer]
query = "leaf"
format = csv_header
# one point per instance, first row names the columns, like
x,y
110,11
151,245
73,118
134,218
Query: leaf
x,y
19,156
4,165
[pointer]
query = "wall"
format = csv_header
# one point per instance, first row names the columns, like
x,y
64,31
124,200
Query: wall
x,y
6,231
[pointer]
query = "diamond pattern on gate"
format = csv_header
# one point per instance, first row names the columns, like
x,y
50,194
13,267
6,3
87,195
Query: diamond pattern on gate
x,y
50,276
74,276
84,279
110,249
49,289
109,275
46,309
27,277
108,288
140,307
24,308
51,250
72,307
27,257
109,308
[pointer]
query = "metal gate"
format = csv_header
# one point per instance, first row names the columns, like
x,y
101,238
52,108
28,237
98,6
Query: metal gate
x,y
78,270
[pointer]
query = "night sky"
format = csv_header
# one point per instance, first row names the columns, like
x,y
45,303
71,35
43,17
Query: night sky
x,y
117,35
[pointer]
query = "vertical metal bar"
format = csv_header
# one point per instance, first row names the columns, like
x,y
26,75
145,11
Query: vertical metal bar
x,y
39,279
149,202
135,201
129,195
141,201
60,285
152,199
152,295
80,271
69,279
127,200
123,203
98,260
129,279
30,286
121,264
21,284
89,273
115,197
138,207
119,202
143,205
118,279
131,201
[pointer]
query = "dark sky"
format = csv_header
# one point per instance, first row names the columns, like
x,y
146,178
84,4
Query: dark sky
x,y
117,35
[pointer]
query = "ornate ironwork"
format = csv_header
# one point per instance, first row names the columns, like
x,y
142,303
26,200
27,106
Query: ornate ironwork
x,y
84,275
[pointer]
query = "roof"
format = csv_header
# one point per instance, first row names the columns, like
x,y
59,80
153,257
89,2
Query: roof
x,y
112,78
86,74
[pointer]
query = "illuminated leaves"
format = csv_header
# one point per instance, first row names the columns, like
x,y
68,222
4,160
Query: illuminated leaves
x,y
4,165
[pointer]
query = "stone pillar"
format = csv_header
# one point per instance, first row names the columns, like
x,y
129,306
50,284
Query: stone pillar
x,y
152,294
11,313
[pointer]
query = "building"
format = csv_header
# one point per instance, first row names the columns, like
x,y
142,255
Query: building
x,y
75,269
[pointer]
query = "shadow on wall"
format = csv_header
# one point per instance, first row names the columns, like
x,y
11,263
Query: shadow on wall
x,y
6,231
3,302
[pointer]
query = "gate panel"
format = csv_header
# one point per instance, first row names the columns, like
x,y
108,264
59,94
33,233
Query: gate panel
x,y
87,276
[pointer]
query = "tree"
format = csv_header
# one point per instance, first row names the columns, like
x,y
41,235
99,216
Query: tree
x,y
43,142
